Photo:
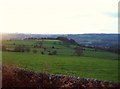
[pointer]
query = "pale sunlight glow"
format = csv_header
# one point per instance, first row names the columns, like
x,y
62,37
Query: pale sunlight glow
x,y
59,16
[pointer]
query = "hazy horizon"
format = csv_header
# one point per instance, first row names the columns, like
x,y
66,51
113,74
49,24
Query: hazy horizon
x,y
53,33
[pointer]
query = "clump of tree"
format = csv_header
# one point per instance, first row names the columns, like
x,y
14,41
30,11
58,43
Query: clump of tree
x,y
37,46
21,48
52,52
66,40
78,50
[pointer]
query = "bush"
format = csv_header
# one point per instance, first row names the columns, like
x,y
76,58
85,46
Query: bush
x,y
44,48
42,52
50,53
53,47
78,51
54,52
19,48
34,51
27,49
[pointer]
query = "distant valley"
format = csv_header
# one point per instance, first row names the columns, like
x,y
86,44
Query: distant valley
x,y
102,41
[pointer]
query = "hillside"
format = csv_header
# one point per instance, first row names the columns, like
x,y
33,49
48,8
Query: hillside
x,y
92,63
104,41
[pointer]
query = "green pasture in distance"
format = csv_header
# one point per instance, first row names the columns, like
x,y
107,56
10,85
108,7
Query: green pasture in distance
x,y
92,64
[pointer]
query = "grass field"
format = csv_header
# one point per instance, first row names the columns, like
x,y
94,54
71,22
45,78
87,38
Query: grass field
x,y
92,64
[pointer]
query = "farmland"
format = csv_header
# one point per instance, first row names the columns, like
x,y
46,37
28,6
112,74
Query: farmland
x,y
91,64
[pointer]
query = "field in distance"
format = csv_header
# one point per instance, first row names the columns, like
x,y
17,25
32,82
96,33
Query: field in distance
x,y
62,60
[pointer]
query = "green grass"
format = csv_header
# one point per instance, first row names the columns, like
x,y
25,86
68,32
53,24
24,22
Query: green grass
x,y
100,65
101,54
78,66
63,50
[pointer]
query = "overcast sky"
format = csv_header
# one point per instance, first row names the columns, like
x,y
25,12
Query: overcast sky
x,y
59,16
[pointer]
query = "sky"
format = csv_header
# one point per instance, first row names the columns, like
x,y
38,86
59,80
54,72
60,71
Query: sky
x,y
59,16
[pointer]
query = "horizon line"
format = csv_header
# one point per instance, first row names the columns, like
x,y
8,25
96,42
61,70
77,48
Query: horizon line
x,y
53,33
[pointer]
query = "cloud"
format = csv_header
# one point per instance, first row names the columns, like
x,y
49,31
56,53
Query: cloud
x,y
112,14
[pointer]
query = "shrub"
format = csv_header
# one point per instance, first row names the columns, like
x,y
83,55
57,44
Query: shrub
x,y
27,49
54,52
42,52
19,48
44,48
50,53
53,47
34,51
78,51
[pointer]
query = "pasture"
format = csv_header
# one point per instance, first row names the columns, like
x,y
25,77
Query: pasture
x,y
92,64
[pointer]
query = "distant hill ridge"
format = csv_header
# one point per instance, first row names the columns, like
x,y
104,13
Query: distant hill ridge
x,y
104,41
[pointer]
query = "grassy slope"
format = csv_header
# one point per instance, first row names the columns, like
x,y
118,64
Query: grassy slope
x,y
92,64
